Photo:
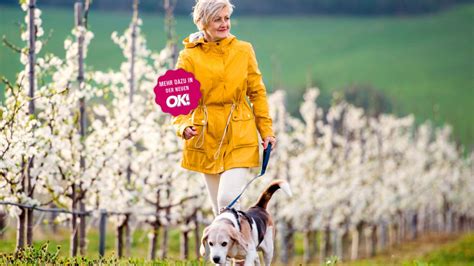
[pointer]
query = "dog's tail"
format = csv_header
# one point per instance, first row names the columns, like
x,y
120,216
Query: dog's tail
x,y
268,192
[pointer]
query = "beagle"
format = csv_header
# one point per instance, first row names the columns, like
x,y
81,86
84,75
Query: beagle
x,y
238,235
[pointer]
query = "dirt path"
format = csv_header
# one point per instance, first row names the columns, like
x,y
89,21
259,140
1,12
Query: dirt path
x,y
409,251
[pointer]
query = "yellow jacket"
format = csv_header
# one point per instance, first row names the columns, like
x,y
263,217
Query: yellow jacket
x,y
225,122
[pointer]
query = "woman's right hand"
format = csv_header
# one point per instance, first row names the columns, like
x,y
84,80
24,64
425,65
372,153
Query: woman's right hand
x,y
189,132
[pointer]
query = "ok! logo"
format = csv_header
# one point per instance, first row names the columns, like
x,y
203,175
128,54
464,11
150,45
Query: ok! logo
x,y
177,92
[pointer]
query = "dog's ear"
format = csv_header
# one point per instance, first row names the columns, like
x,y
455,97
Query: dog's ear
x,y
237,237
202,249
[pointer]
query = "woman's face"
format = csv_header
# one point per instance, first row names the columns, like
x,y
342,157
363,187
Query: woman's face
x,y
219,26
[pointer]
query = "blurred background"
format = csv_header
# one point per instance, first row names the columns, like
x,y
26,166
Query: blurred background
x,y
398,56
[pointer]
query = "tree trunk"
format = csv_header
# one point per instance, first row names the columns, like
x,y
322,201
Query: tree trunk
x,y
184,246
3,223
462,223
434,221
52,224
449,221
339,233
314,246
128,238
325,247
391,235
355,232
397,228
82,229
170,31
29,226
374,240
119,241
154,241
371,240
31,110
197,237
120,237
310,246
74,231
421,222
20,232
287,242
382,236
455,222
164,243
291,240
414,226
430,221
333,242
401,231
346,244
440,222
82,126
426,219
134,23
156,227
367,241
283,230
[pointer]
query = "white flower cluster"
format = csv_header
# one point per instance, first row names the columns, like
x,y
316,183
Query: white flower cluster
x,y
347,168
131,154
18,141
138,135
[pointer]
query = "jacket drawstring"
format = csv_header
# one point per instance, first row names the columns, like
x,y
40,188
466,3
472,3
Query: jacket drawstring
x,y
201,135
216,154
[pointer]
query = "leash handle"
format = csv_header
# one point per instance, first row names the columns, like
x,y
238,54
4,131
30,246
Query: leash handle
x,y
266,158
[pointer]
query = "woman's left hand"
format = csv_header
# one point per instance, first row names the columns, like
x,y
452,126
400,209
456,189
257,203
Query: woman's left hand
x,y
270,139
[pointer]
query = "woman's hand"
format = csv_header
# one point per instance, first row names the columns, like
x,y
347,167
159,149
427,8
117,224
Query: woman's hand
x,y
270,139
189,132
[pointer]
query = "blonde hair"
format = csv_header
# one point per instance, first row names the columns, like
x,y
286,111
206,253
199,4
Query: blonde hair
x,y
205,10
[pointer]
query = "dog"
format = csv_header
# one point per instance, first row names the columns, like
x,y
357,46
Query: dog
x,y
239,235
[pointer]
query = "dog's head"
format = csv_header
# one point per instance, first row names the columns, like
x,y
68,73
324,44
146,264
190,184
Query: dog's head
x,y
220,237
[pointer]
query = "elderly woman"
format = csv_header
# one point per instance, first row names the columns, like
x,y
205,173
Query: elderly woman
x,y
221,133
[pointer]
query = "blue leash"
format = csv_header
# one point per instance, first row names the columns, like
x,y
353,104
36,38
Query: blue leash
x,y
266,158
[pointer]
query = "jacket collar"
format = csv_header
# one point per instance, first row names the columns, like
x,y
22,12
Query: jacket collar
x,y
197,39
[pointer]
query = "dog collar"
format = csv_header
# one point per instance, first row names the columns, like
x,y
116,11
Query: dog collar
x,y
237,214
230,215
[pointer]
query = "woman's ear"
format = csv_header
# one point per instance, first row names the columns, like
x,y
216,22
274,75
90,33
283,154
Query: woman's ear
x,y
237,237
202,249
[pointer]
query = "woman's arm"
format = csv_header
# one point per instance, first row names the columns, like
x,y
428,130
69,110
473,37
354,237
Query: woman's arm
x,y
258,96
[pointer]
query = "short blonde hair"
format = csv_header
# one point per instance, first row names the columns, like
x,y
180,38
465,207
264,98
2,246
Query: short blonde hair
x,y
205,10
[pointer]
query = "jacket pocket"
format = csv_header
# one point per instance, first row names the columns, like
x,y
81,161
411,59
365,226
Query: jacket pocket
x,y
197,142
244,128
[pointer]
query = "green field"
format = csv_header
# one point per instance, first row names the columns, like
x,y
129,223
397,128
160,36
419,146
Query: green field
x,y
427,250
423,64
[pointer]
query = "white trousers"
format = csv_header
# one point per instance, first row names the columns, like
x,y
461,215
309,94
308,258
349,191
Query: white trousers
x,y
224,187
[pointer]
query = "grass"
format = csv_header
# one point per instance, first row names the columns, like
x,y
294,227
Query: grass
x,y
139,250
424,64
431,249
428,250
61,238
458,253
43,256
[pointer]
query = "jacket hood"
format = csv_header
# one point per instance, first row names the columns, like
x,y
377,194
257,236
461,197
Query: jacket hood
x,y
197,38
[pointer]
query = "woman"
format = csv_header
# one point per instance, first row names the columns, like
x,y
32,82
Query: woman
x,y
221,133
